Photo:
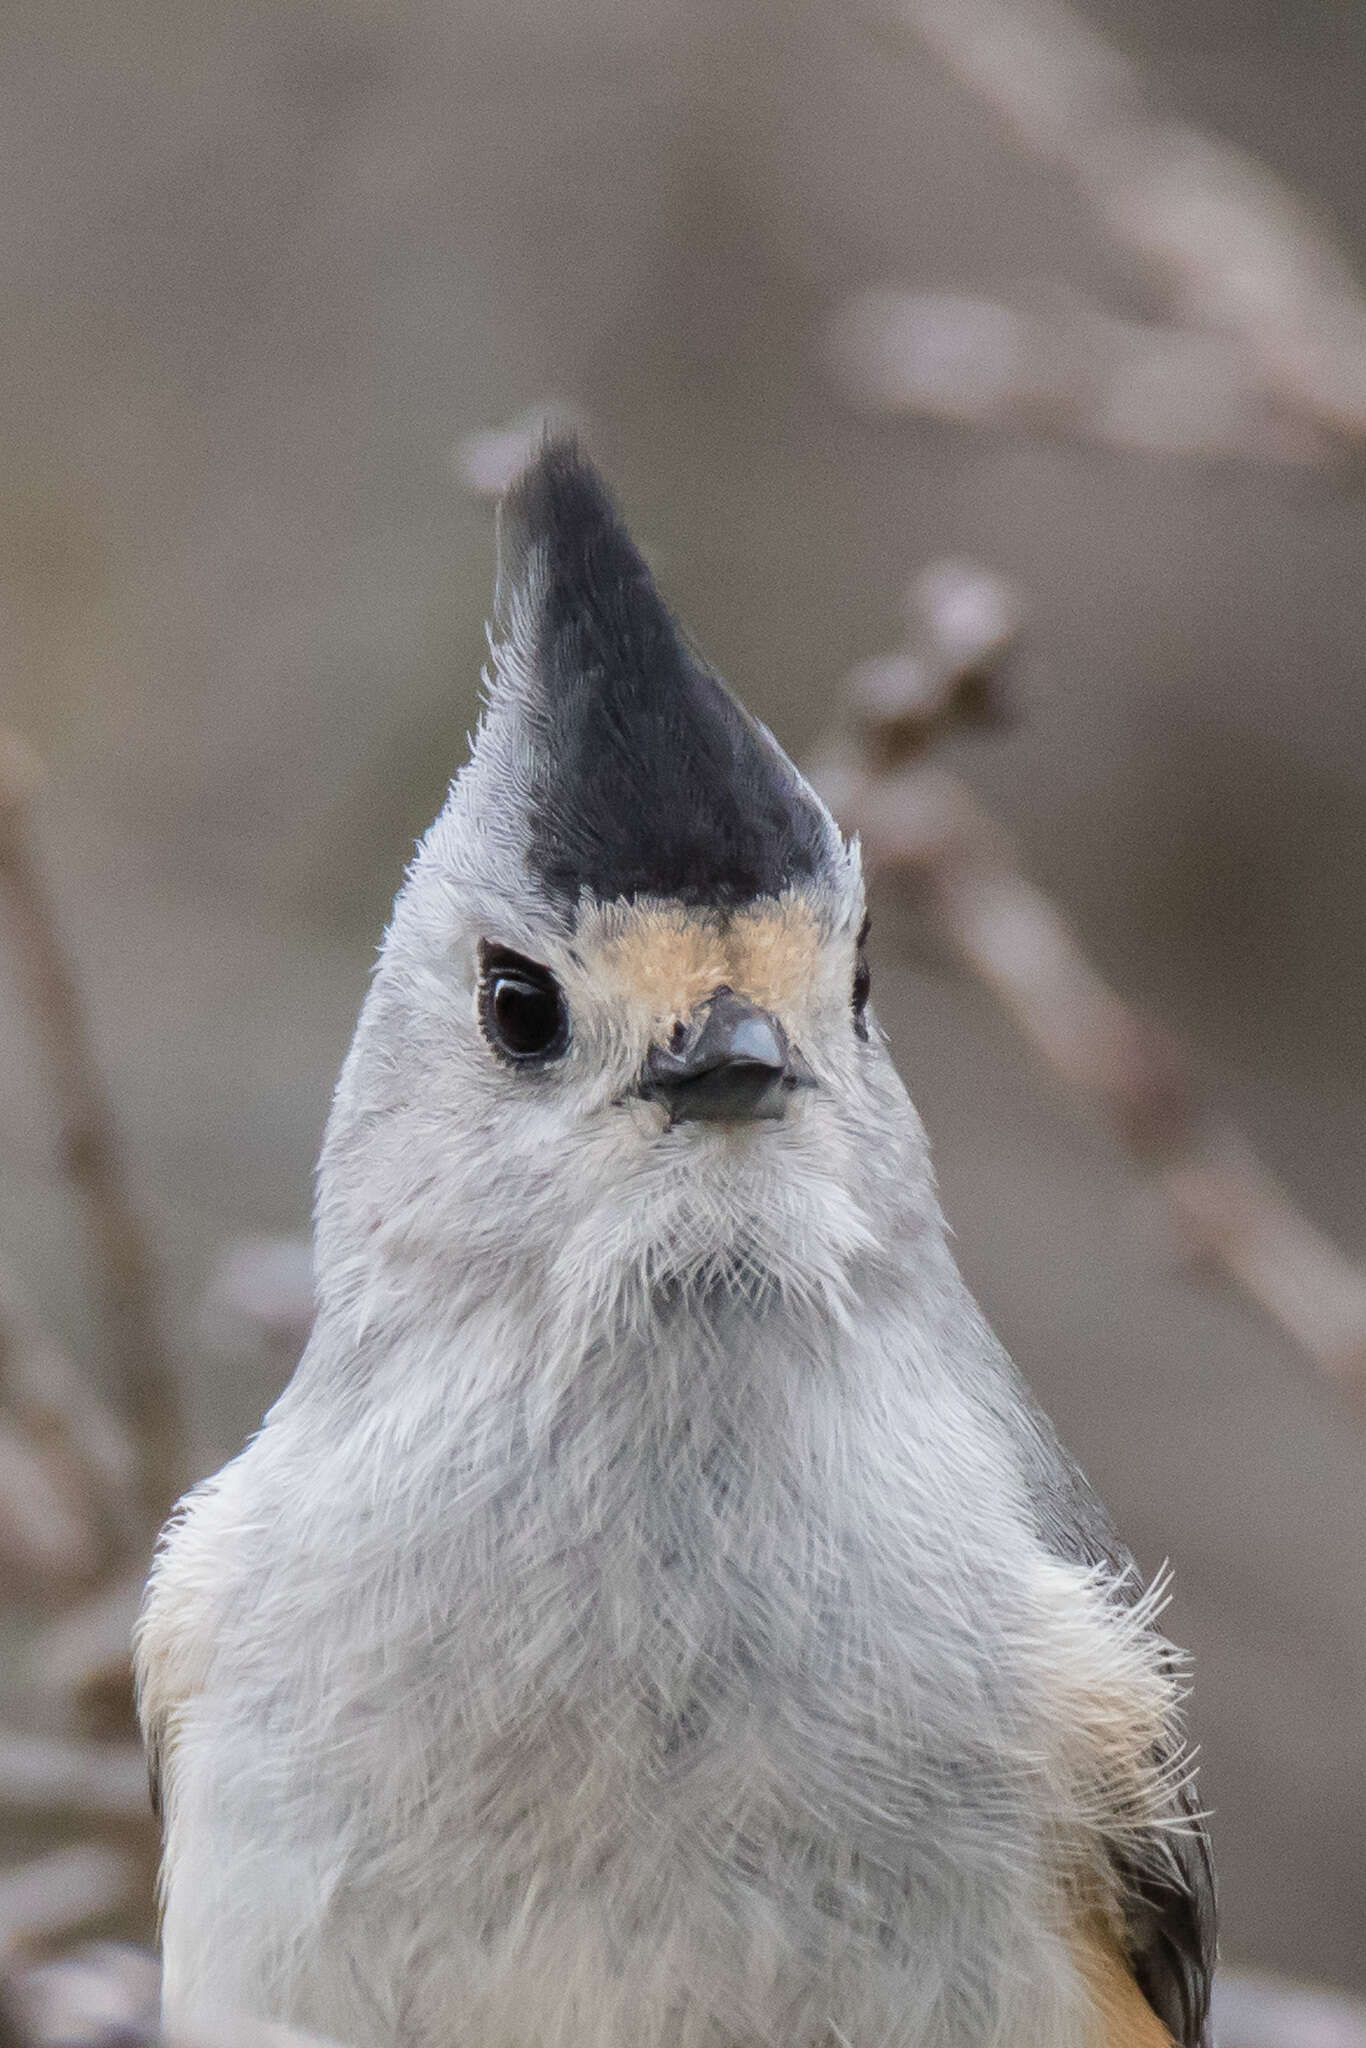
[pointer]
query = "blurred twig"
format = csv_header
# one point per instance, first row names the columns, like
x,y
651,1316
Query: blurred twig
x,y
48,1544
104,1995
107,1995
60,1892
81,1662
100,1783
1262,348
921,823
88,1152
1057,362
65,1425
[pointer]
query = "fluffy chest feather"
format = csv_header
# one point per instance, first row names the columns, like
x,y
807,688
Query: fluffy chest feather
x,y
721,1708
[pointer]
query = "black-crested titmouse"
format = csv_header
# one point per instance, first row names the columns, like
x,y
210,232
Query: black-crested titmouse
x,y
655,1615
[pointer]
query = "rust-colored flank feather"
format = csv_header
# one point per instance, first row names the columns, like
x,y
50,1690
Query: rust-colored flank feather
x,y
1124,2017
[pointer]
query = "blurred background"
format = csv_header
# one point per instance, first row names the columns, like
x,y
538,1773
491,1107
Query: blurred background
x,y
838,293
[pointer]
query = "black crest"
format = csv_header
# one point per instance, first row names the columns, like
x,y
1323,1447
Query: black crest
x,y
650,779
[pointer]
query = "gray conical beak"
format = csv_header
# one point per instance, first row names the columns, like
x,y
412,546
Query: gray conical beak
x,y
735,1065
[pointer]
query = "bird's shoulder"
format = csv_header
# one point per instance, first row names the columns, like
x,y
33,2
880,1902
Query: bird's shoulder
x,y
176,1634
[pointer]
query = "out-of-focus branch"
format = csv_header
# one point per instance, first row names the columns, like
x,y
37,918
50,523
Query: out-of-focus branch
x,y
1264,347
102,1784
1056,362
104,1995
49,1544
1237,251
67,1425
61,1892
922,824
107,1995
80,1663
88,1151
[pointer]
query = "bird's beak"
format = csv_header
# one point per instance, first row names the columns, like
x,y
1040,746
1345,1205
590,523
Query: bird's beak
x,y
734,1065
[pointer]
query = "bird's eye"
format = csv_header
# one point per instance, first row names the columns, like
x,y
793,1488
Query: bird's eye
x,y
522,1009
863,981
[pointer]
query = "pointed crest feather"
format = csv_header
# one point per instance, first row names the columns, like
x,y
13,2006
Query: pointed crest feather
x,y
650,779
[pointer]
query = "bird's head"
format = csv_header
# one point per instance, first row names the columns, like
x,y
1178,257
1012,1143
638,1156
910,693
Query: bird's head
x,y
619,1041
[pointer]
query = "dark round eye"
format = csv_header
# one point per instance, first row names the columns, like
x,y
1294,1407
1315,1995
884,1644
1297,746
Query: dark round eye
x,y
863,981
521,1007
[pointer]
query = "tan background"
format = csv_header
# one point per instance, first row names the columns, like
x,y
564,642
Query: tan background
x,y
265,264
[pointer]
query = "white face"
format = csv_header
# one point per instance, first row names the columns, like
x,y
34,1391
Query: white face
x,y
496,1129
508,1136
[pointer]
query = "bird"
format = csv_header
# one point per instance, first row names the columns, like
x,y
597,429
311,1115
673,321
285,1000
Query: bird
x,y
656,1614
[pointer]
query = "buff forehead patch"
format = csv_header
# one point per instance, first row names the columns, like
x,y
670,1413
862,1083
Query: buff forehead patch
x,y
665,959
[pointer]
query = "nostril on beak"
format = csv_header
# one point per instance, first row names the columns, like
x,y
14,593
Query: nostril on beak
x,y
736,1068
